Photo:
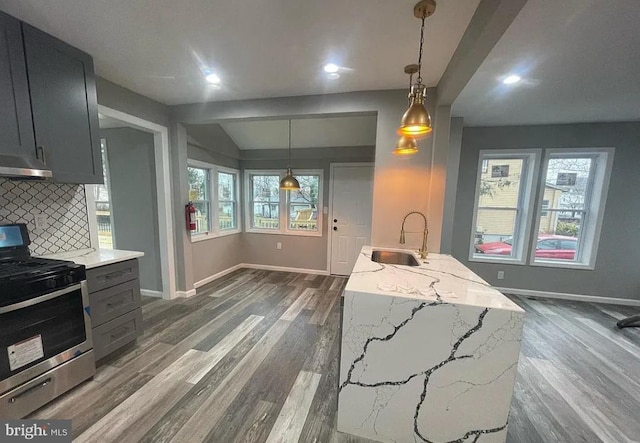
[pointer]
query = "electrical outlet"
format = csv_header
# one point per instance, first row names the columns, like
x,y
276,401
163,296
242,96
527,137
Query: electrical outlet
x,y
500,275
279,245
41,221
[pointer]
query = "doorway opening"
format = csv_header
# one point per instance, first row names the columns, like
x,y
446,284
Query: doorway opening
x,y
132,210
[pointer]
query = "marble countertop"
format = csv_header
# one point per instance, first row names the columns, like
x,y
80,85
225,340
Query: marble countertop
x,y
93,258
438,278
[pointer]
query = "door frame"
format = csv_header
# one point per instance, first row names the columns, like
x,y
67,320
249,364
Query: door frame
x,y
332,167
163,196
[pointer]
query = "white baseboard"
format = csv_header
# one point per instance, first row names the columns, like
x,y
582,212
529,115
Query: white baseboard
x,y
285,269
574,297
186,294
150,293
213,277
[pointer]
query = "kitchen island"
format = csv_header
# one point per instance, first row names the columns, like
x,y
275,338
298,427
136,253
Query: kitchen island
x,y
429,353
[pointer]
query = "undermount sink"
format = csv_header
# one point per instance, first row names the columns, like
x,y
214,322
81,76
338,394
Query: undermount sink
x,y
394,258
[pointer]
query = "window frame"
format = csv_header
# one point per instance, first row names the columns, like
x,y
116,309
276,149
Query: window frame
x,y
236,200
214,223
596,194
525,206
283,203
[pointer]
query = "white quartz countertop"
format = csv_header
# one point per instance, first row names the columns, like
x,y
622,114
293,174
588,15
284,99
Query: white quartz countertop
x,y
93,258
438,278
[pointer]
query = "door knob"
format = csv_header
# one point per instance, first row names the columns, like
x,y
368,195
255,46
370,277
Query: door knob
x,y
335,228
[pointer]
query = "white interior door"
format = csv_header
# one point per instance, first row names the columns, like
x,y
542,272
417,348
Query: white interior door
x,y
352,206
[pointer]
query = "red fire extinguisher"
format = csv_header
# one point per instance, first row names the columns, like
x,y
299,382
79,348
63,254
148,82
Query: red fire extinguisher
x,y
190,214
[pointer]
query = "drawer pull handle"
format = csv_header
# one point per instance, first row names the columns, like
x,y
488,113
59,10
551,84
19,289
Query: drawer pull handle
x,y
115,304
114,275
120,334
30,390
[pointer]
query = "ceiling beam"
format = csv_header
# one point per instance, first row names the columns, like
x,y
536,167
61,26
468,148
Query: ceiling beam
x,y
488,24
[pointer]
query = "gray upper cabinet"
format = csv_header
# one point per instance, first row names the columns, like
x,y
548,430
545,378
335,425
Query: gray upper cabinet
x,y
64,107
16,126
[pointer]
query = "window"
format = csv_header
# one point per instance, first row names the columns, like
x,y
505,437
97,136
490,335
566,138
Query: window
x,y
102,202
264,201
227,201
502,204
570,196
271,210
303,204
199,180
575,183
216,212
545,206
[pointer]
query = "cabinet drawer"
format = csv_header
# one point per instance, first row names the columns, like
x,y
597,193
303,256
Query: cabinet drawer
x,y
117,333
114,302
111,275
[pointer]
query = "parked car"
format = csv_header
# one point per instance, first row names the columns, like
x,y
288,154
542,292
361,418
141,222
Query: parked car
x,y
558,247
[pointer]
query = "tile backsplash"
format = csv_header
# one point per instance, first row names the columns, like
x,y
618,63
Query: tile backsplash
x,y
65,208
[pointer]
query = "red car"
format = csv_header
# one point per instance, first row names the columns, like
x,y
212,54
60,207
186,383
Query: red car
x,y
549,246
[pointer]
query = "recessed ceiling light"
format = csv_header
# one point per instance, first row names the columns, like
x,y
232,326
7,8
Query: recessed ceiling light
x,y
511,79
333,75
331,68
212,78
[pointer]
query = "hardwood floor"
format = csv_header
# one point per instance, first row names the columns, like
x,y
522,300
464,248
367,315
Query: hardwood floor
x,y
253,357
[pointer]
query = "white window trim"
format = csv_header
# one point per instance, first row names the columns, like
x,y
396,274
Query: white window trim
x,y
283,203
598,200
214,224
523,219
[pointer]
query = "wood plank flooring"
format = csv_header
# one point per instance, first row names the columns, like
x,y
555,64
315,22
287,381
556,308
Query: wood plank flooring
x,y
253,357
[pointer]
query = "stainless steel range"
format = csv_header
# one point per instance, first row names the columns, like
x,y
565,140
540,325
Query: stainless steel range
x,y
45,327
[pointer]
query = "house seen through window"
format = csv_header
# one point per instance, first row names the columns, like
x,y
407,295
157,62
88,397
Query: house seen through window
x,y
570,196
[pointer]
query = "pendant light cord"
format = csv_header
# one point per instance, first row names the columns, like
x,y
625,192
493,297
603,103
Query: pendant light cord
x,y
289,161
424,16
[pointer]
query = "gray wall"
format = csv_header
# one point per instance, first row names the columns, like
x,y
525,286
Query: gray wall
x,y
130,154
208,257
217,254
124,100
297,251
195,152
616,272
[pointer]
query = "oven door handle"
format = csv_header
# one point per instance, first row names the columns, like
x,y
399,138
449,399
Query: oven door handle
x,y
35,301
31,389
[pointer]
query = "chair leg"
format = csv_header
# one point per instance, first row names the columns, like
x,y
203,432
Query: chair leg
x,y
629,322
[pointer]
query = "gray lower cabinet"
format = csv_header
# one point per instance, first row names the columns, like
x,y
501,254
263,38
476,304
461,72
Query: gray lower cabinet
x,y
116,310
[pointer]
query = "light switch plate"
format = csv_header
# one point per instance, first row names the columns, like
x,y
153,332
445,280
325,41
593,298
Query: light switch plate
x,y
279,245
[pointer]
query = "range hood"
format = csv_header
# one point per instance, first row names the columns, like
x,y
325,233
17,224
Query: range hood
x,y
23,167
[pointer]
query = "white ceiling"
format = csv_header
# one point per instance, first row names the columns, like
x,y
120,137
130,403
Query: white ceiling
x,y
305,133
268,48
579,61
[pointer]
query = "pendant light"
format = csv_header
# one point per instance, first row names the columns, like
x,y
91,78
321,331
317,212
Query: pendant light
x,y
289,182
407,145
416,121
